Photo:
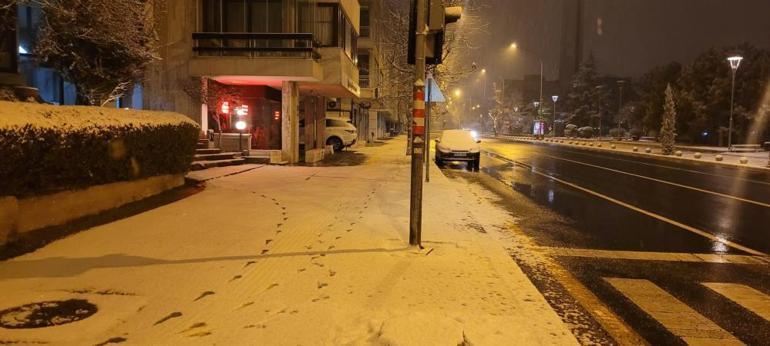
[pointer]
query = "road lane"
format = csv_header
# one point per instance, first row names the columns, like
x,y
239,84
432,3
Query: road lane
x,y
592,238
702,201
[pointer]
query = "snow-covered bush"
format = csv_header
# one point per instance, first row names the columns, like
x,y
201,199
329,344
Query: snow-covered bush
x,y
570,130
586,132
617,133
47,148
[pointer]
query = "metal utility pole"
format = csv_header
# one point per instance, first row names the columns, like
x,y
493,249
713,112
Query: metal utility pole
x,y
418,127
541,85
428,99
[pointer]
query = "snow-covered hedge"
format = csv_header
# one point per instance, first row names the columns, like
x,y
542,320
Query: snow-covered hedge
x,y
47,148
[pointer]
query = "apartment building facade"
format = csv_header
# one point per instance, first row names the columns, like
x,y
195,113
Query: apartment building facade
x,y
375,118
276,65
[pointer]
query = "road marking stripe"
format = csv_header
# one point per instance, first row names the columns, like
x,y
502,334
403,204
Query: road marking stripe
x,y
766,205
680,319
586,152
745,296
655,256
645,212
582,152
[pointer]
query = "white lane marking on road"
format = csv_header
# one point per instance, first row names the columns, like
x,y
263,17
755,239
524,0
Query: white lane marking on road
x,y
680,319
761,204
648,213
582,151
655,256
745,296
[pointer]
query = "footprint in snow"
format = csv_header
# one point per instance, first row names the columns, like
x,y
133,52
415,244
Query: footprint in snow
x,y
174,314
203,295
115,340
194,326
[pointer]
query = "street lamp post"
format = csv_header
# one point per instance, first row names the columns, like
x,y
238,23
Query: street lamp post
x,y
621,83
515,46
735,62
554,98
539,119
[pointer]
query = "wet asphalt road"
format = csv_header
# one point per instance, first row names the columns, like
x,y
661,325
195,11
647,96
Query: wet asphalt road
x,y
619,203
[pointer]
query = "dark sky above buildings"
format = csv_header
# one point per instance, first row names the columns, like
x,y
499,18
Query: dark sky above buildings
x,y
627,37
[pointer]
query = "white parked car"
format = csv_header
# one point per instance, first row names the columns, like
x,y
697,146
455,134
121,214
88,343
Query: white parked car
x,y
459,145
339,133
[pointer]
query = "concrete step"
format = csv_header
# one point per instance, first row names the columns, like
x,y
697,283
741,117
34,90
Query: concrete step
x,y
208,151
257,159
201,145
201,165
216,157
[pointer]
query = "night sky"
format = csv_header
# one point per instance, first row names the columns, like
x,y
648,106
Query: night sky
x,y
627,37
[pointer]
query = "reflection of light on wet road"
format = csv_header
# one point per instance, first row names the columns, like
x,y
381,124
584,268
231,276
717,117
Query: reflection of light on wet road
x,y
550,196
527,190
719,246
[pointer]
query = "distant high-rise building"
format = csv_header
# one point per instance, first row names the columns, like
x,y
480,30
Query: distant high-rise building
x,y
629,37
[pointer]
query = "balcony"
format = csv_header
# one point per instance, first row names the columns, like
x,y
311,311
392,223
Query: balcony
x,y
289,45
231,57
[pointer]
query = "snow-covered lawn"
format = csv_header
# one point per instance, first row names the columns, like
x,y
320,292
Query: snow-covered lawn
x,y
294,256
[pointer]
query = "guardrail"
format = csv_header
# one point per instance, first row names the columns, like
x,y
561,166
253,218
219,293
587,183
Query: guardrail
x,y
256,45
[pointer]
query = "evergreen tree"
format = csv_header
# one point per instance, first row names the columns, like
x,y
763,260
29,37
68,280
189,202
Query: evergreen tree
x,y
668,129
585,99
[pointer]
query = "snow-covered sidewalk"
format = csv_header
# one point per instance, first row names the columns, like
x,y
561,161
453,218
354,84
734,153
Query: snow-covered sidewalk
x,y
293,256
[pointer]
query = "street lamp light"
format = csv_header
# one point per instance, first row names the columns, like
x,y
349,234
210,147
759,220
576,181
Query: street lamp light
x,y
735,62
240,125
554,98
515,46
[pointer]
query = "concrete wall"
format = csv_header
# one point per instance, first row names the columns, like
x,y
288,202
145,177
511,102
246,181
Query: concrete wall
x,y
20,216
168,78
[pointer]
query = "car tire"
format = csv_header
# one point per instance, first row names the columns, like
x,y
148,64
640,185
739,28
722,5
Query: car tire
x,y
336,143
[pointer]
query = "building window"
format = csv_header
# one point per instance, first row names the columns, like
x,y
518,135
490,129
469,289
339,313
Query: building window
x,y
365,22
363,70
326,25
242,16
334,29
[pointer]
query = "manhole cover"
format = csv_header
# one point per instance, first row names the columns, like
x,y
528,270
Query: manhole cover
x,y
46,314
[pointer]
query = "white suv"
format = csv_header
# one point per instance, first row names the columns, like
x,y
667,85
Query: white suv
x,y
339,133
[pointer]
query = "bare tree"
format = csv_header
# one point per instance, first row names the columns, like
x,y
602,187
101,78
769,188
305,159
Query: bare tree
x,y
398,79
457,61
102,46
459,44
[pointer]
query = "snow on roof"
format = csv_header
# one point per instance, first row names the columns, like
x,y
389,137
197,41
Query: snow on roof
x,y
20,114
